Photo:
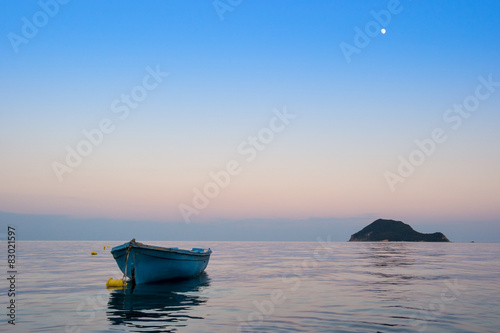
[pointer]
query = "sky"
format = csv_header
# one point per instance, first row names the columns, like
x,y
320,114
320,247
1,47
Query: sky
x,y
223,113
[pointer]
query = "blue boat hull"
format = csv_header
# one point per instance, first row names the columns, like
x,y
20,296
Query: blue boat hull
x,y
148,263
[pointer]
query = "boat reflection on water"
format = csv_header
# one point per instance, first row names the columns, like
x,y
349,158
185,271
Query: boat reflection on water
x,y
159,306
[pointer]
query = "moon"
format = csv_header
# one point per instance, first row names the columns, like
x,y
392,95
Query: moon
x,y
382,31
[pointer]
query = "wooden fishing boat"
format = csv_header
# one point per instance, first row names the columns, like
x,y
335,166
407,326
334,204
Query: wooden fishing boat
x,y
143,263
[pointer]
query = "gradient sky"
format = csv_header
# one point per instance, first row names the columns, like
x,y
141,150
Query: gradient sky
x,y
225,77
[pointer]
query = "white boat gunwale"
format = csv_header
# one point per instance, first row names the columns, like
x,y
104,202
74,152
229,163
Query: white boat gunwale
x,y
137,245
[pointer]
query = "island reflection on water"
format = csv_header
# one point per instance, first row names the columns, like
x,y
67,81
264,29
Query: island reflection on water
x,y
159,306
393,270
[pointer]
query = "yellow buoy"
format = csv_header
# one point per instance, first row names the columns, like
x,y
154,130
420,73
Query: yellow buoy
x,y
115,283
93,253
104,248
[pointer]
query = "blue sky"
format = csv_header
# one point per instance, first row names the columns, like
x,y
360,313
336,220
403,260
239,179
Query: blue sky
x,y
225,78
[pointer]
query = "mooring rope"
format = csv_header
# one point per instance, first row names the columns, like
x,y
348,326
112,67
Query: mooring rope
x,y
126,259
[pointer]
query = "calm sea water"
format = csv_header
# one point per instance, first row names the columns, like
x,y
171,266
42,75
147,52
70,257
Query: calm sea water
x,y
263,287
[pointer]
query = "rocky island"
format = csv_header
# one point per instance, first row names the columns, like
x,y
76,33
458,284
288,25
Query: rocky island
x,y
394,231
